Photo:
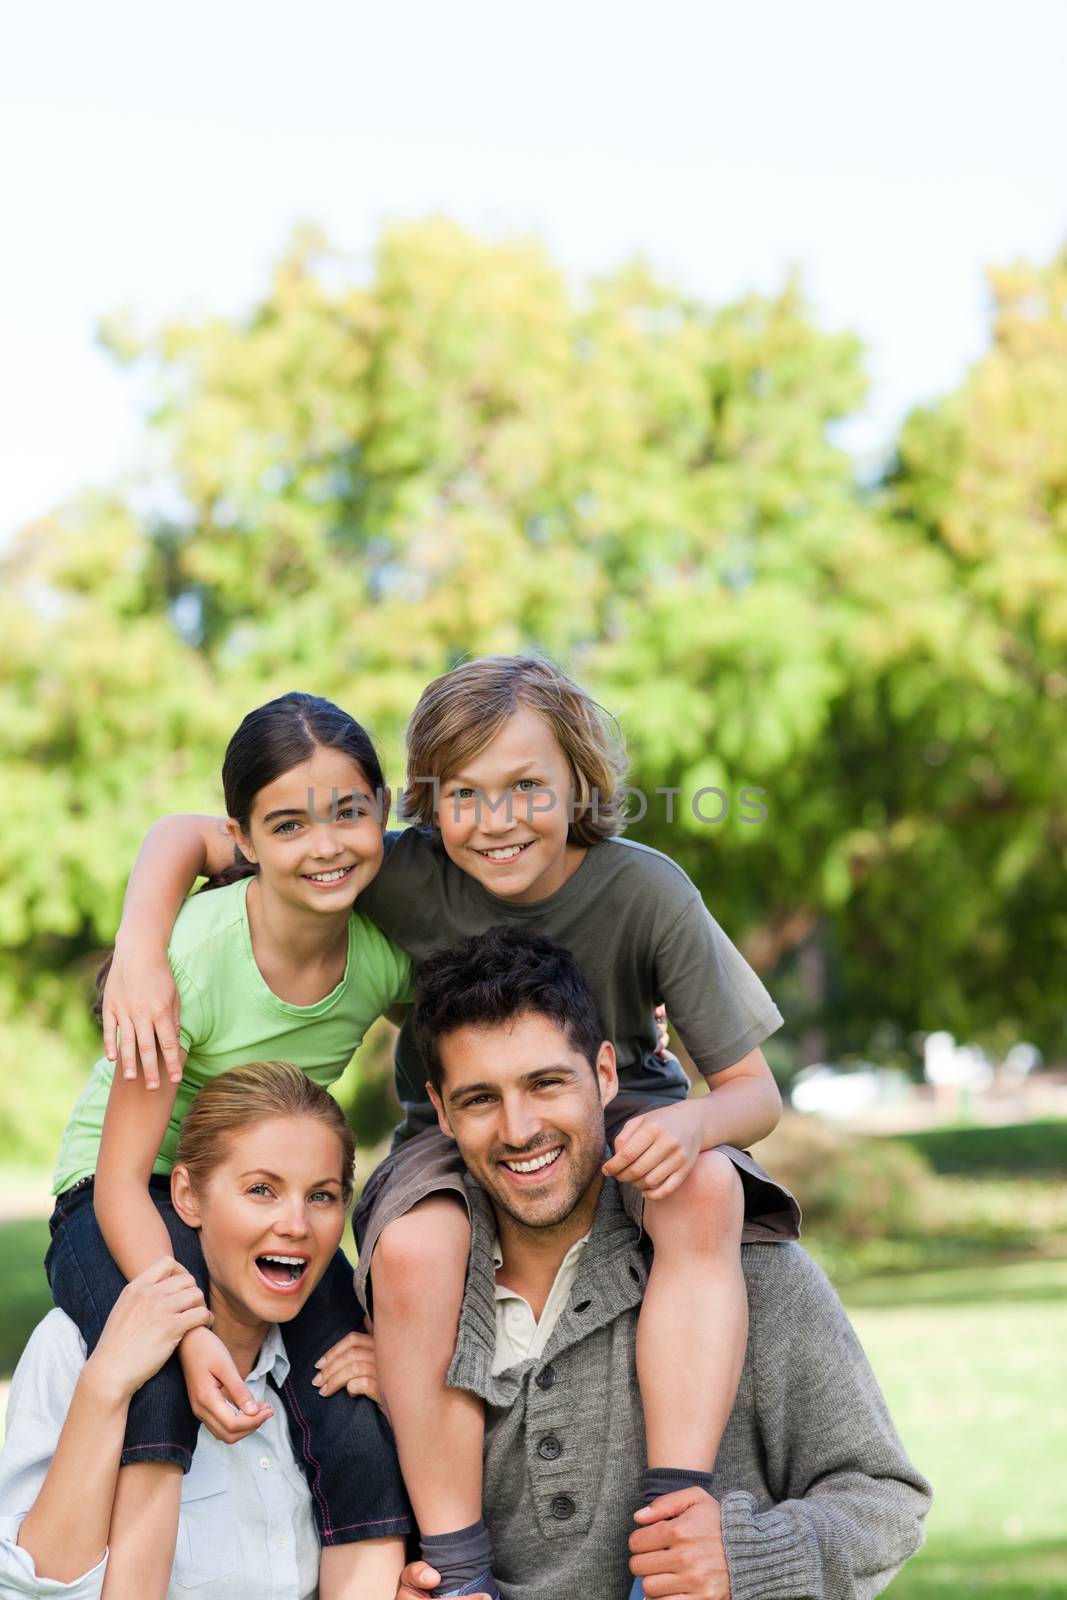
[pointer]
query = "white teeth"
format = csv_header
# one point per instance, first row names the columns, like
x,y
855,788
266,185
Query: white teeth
x,y
507,854
287,1261
536,1163
327,877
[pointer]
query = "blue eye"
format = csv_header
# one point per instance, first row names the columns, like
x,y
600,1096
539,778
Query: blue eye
x,y
283,827
527,784
325,1194
259,1188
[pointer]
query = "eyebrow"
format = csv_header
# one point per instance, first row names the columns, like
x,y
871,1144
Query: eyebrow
x,y
261,1172
296,811
517,772
527,1077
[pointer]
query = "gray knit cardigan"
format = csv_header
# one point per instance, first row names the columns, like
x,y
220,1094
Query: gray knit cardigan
x,y
818,1499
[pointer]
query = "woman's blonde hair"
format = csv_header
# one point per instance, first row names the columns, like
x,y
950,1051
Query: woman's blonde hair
x,y
459,713
238,1099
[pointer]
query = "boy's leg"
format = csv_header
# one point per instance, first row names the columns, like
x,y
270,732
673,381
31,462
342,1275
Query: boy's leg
x,y
419,1273
160,1428
693,1326
343,1441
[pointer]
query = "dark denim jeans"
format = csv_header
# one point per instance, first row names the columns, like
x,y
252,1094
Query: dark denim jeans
x,y
343,1442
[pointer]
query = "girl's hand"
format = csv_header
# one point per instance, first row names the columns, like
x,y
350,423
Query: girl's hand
x,y
142,1005
657,1150
349,1364
663,1033
146,1324
218,1394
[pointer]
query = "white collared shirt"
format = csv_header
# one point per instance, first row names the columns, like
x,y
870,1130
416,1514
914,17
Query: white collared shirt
x,y
519,1334
246,1530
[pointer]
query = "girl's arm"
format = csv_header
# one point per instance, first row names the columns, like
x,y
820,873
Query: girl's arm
x,y
65,1531
135,1233
140,1002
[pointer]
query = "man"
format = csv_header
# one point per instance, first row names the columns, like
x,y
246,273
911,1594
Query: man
x,y
814,1498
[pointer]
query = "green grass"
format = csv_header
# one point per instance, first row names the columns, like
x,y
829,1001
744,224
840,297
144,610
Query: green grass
x,y
974,1367
1023,1150
26,1297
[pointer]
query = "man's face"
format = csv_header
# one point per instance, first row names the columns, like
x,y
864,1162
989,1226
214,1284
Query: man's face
x,y
527,1112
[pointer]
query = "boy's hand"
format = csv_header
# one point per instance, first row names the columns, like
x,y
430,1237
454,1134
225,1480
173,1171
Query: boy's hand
x,y
417,1579
657,1150
145,1326
141,1005
218,1394
349,1364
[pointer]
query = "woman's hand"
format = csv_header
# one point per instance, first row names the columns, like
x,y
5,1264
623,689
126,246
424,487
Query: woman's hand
x,y
219,1396
147,1323
657,1150
349,1364
142,1006
663,1033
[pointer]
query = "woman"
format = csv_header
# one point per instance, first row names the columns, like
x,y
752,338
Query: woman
x,y
263,1173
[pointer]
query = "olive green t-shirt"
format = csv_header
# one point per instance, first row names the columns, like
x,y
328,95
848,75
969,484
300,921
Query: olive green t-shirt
x,y
637,927
229,1017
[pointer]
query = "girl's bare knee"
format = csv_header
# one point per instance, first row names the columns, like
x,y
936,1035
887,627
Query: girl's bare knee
x,y
705,1214
422,1253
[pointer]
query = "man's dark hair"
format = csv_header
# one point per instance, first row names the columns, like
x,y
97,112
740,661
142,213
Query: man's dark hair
x,y
495,977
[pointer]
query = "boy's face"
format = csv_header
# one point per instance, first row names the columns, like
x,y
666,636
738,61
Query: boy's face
x,y
504,817
527,1112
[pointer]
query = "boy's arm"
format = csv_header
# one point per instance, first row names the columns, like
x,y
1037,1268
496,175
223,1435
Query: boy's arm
x,y
140,1001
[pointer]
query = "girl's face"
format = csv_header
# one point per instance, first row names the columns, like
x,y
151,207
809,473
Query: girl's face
x,y
504,818
270,1217
314,832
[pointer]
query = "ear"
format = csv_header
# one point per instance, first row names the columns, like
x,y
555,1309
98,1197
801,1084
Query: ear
x,y
438,1105
607,1072
183,1197
233,828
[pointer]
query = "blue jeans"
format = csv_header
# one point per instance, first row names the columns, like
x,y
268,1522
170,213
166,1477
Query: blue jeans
x,y
343,1442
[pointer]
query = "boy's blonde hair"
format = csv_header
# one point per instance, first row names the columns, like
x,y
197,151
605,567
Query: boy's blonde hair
x,y
460,712
238,1099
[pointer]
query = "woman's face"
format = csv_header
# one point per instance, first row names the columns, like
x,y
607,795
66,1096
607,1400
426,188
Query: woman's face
x,y
270,1217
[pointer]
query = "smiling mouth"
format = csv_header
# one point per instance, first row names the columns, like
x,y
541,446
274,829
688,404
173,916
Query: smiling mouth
x,y
337,875
506,853
282,1274
534,1168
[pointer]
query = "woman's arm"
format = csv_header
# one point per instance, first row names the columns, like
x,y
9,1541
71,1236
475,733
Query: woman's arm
x,y
140,1002
65,1530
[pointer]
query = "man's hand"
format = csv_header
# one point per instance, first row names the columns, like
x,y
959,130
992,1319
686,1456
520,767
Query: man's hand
x,y
142,1007
657,1150
677,1552
218,1394
417,1579
349,1364
150,1317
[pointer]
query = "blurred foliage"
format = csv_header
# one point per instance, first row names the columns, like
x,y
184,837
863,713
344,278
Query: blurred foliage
x,y
874,1205
1024,1150
386,465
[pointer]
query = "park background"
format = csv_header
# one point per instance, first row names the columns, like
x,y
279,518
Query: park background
x,y
342,345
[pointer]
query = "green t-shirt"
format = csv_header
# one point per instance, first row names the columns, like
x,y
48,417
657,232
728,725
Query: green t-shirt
x,y
229,1016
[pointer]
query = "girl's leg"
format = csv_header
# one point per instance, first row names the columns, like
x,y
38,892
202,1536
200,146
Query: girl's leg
x,y
160,1428
693,1327
346,1448
419,1272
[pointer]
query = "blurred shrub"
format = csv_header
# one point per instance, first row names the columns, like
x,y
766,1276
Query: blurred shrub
x,y
1025,1149
849,1189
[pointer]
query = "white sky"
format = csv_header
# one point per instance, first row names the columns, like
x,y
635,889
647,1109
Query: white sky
x,y
154,156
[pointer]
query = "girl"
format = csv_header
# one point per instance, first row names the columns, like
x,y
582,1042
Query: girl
x,y
264,1169
513,783
276,963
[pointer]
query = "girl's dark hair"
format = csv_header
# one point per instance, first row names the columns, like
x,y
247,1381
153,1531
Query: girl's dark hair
x,y
272,740
494,977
